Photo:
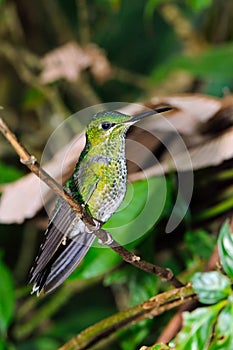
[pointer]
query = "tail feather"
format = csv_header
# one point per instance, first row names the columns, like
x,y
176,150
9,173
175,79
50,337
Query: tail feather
x,y
66,263
58,228
59,255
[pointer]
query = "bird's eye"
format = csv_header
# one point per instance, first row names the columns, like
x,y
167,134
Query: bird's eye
x,y
107,125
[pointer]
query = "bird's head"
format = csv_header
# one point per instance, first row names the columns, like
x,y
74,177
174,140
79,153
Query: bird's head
x,y
110,124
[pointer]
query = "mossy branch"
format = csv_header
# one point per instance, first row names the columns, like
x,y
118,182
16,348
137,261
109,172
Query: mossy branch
x,y
147,309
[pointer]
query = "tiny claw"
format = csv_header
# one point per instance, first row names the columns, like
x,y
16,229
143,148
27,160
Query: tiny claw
x,y
64,240
107,239
97,224
30,160
35,289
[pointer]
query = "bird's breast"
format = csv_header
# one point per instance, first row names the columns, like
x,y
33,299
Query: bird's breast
x,y
109,188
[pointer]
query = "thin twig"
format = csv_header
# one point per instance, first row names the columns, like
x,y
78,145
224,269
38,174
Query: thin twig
x,y
134,79
31,162
83,21
165,273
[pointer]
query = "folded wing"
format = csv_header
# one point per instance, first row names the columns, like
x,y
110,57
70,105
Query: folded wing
x,y
66,243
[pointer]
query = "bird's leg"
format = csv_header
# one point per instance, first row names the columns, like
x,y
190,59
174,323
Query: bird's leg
x,y
106,238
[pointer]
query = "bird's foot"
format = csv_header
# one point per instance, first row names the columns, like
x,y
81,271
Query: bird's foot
x,y
30,161
97,224
107,239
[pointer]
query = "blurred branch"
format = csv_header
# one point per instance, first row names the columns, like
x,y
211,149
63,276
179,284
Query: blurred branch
x,y
192,41
31,162
83,23
12,22
25,255
82,89
58,21
134,79
150,308
28,65
46,310
24,63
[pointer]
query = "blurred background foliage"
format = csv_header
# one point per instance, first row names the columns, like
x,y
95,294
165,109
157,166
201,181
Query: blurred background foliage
x,y
127,51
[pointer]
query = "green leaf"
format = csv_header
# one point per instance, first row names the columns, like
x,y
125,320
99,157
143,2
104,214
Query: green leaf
x,y
40,343
211,287
130,338
150,7
160,346
7,298
33,98
119,276
225,247
142,286
214,63
97,262
200,243
9,173
198,5
3,345
216,209
198,327
143,204
224,329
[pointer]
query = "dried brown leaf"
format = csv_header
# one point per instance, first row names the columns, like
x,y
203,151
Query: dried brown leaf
x,y
205,124
191,110
68,61
23,198
100,66
211,153
65,62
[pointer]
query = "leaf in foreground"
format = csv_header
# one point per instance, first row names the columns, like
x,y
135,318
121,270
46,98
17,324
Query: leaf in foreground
x,y
211,287
224,329
198,327
225,247
6,298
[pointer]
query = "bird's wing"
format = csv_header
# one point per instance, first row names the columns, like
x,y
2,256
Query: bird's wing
x,y
59,254
86,180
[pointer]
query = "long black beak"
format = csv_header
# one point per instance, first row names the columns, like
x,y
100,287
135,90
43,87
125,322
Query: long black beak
x,y
147,114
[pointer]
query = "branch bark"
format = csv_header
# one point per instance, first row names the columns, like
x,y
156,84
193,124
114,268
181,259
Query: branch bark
x,y
150,308
31,162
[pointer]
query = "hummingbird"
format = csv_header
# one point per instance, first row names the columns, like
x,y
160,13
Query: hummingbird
x,y
98,183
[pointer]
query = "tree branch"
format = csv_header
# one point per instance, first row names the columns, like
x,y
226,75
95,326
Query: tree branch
x,y
147,309
44,311
31,162
25,63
